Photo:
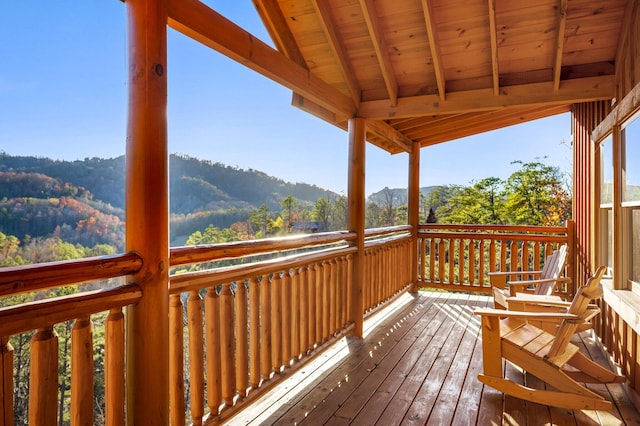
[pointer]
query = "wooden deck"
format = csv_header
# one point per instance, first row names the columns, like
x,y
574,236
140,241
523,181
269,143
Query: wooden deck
x,y
418,365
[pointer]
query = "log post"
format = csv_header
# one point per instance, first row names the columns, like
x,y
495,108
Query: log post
x,y
355,216
147,213
114,367
212,340
6,381
82,372
414,212
43,378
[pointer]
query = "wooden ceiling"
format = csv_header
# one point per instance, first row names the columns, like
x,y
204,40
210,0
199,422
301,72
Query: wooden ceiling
x,y
425,71
436,70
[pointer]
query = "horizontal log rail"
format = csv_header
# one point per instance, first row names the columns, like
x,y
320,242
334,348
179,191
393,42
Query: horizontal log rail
x,y
460,257
187,255
42,276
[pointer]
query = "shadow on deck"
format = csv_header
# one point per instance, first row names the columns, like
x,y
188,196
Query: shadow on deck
x,y
418,364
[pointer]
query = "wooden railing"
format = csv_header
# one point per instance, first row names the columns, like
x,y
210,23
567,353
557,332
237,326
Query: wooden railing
x,y
42,315
460,257
250,324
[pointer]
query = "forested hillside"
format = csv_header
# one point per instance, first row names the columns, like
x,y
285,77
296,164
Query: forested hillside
x,y
83,201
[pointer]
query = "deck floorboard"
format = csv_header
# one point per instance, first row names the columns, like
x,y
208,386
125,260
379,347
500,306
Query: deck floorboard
x,y
418,364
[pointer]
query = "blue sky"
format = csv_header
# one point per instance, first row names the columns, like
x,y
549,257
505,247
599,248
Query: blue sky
x,y
63,94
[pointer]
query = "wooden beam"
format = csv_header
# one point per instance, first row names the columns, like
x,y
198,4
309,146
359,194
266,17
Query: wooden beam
x,y
562,23
536,94
394,137
484,122
338,49
495,72
306,105
147,213
435,48
196,20
278,29
381,49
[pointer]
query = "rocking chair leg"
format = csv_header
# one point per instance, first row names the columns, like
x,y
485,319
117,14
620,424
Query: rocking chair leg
x,y
590,371
566,400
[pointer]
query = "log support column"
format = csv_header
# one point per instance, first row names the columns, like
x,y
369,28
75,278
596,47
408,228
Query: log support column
x,y
414,212
355,216
147,213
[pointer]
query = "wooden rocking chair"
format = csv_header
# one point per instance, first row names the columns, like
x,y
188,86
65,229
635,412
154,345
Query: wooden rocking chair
x,y
543,285
546,355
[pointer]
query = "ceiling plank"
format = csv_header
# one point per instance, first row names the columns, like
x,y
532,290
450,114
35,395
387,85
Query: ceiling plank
x,y
381,49
338,49
435,48
278,29
494,47
572,91
196,20
385,131
562,23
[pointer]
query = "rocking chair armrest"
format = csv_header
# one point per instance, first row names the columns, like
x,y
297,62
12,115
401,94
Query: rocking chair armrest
x,y
540,316
522,283
540,300
499,278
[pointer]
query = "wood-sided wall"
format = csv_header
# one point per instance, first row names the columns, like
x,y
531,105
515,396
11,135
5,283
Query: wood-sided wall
x,y
617,326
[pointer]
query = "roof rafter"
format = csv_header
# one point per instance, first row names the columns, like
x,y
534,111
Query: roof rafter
x,y
572,91
434,47
385,131
198,21
557,63
338,49
494,47
381,49
279,30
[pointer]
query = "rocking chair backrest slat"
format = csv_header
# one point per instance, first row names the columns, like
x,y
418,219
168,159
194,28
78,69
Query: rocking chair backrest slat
x,y
552,269
585,294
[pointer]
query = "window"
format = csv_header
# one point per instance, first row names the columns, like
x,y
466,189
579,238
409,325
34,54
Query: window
x,y
606,203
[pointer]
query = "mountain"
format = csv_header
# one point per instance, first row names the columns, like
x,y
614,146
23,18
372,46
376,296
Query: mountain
x,y
61,196
397,196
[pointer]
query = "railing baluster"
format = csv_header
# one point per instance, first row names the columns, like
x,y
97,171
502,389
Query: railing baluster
x,y
481,264
514,256
276,324
503,256
176,360
441,261
255,300
461,252
319,305
286,318
492,256
432,261
196,356
525,257
332,297
423,257
312,306
114,366
295,314
242,339
304,309
212,340
452,263
227,345
82,372
536,256
265,329
43,378
472,261
6,381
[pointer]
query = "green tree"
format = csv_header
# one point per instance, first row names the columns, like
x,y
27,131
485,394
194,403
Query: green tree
x,y
260,219
288,204
535,196
322,212
213,235
479,203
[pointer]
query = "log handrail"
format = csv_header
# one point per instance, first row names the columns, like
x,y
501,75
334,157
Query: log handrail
x,y
44,313
187,255
21,279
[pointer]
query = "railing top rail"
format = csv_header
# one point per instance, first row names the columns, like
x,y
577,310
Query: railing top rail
x,y
43,313
186,255
202,279
499,228
372,232
21,279
496,237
